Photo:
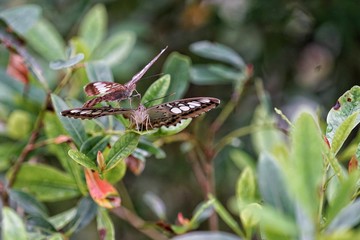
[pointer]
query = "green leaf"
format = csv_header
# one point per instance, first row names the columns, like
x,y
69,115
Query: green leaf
x,y
82,159
306,172
99,71
121,149
342,118
61,64
46,40
21,18
94,144
40,224
218,52
85,213
172,130
116,173
242,159
156,90
93,27
151,149
178,66
116,49
206,235
245,188
213,74
60,220
155,203
30,204
105,226
348,218
54,129
272,185
73,126
12,225
45,183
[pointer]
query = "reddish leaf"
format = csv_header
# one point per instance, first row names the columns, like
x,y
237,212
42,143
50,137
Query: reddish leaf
x,y
17,68
353,164
101,191
135,165
182,221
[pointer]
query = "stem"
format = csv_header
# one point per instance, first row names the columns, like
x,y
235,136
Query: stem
x,y
137,223
63,81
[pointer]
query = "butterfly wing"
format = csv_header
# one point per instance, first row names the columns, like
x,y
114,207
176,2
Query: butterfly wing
x,y
140,74
100,88
171,113
90,113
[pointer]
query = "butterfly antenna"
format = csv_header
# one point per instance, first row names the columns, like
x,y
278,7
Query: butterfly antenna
x,y
168,95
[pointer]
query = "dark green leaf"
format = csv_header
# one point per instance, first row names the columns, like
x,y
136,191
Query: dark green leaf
x,y
61,64
105,226
21,18
40,223
151,149
30,204
94,144
45,183
178,66
213,74
73,126
157,90
85,213
347,218
82,159
218,52
93,27
272,185
99,71
199,235
12,225
46,40
116,49
121,149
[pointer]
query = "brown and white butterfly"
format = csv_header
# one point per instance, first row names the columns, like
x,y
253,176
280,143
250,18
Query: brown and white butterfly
x,y
166,114
111,91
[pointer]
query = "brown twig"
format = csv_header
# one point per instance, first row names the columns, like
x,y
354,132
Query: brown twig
x,y
137,223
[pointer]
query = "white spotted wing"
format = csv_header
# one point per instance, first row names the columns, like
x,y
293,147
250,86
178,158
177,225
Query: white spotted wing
x,y
166,114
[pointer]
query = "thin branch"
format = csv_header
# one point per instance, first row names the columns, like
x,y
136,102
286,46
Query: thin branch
x,y
137,223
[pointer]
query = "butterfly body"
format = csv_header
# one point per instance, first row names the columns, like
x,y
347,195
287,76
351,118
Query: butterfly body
x,y
142,118
111,91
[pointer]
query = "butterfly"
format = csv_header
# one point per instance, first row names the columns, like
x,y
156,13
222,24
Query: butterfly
x,y
142,118
111,91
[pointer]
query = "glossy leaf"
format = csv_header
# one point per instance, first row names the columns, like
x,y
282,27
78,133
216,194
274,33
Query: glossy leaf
x,y
116,49
217,51
21,18
94,144
199,235
105,226
178,66
82,159
346,219
157,91
272,185
73,127
93,27
151,149
45,183
101,191
213,74
12,225
121,149
60,220
116,173
307,171
61,64
172,130
342,118
99,71
41,224
52,46
30,204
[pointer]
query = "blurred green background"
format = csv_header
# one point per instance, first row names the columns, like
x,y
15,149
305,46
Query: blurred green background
x,y
305,52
